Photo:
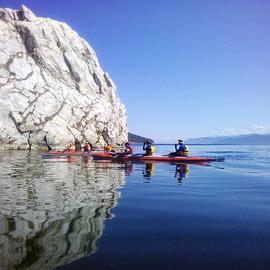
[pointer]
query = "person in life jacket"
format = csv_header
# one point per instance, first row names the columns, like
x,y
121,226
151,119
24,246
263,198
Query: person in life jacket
x,y
127,151
108,148
149,148
180,149
71,147
87,147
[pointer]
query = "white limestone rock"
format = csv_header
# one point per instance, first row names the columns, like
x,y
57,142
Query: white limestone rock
x,y
51,84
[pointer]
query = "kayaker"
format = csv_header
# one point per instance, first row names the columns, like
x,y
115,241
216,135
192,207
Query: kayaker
x,y
87,147
108,148
78,146
127,151
71,147
180,149
149,148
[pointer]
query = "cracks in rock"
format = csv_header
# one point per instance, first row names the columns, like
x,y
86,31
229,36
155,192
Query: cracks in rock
x,y
20,125
29,140
46,141
38,95
82,123
31,47
6,67
10,140
49,118
98,82
79,125
105,135
107,80
43,32
27,76
29,40
40,62
74,75
17,125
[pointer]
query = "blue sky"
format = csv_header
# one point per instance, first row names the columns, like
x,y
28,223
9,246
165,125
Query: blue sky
x,y
182,68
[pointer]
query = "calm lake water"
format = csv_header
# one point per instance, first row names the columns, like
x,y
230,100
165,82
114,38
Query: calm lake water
x,y
74,213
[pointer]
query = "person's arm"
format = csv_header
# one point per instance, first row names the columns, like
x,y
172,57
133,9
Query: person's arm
x,y
182,147
144,148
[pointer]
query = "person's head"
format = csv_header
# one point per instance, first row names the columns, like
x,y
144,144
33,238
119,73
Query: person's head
x,y
127,144
180,141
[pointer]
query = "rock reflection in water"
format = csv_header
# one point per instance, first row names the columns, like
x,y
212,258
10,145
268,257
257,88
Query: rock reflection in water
x,y
53,211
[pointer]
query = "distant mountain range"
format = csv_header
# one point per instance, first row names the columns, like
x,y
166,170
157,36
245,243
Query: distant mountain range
x,y
137,139
240,139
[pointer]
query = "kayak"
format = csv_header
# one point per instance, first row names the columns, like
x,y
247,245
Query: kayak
x,y
138,157
101,155
53,153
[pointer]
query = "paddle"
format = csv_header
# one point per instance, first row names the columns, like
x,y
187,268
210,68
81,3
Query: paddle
x,y
168,155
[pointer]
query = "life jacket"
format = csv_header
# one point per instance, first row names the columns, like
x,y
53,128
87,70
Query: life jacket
x,y
129,150
108,148
71,148
149,150
87,148
185,151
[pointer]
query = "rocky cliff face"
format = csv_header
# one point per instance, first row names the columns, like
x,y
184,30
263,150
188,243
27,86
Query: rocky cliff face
x,y
52,84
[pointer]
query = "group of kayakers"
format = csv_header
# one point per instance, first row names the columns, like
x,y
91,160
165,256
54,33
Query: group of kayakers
x,y
72,147
180,149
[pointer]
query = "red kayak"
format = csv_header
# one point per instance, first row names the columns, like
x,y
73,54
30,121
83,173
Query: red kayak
x,y
101,155
53,153
138,157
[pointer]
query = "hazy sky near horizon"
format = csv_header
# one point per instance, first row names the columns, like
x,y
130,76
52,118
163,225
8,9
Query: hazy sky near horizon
x,y
182,68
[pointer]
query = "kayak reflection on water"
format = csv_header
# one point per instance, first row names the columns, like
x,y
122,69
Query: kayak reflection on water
x,y
181,171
